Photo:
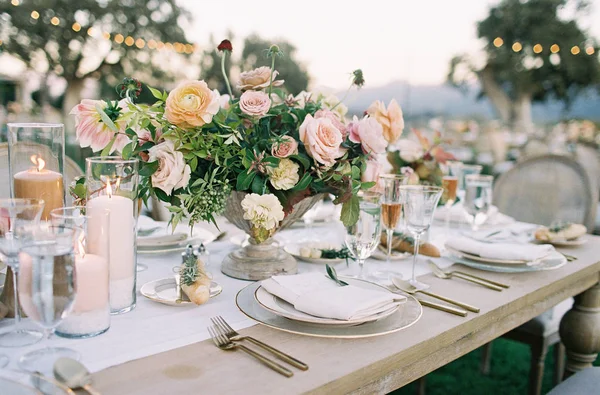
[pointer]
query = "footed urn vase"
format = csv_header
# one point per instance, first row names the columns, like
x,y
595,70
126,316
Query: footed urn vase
x,y
258,261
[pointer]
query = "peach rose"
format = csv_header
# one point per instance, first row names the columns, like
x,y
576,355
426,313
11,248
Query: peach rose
x,y
321,140
390,119
334,117
191,104
258,79
172,173
369,133
255,103
284,148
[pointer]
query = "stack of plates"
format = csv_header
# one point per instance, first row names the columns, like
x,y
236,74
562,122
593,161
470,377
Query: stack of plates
x,y
258,304
163,241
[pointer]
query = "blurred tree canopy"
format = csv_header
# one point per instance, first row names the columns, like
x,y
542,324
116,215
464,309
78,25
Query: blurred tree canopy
x,y
104,39
534,53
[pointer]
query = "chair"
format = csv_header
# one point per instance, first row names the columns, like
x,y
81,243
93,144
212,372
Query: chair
x,y
541,190
589,158
586,381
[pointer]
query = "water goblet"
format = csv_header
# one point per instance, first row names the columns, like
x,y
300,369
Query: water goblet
x,y
478,198
18,219
47,290
466,170
420,202
363,237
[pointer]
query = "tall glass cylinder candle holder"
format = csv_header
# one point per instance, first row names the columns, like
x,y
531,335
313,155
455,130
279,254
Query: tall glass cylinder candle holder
x,y
112,184
91,313
36,162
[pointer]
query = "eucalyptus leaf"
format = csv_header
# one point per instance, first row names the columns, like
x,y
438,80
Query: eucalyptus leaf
x,y
350,211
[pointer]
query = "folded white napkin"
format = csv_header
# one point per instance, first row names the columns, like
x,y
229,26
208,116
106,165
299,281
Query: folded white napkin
x,y
314,294
505,251
457,214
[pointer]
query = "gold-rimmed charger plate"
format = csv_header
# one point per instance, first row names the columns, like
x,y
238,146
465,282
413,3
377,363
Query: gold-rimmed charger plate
x,y
15,382
164,291
477,258
406,316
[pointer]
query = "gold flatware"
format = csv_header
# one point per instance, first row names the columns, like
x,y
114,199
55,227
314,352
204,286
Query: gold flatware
x,y
445,274
73,374
443,307
480,278
225,329
224,343
411,289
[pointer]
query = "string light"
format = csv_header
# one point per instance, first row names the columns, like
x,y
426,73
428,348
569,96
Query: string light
x,y
517,47
140,43
55,21
151,44
90,31
35,14
590,50
498,42
119,38
76,27
537,48
160,46
554,48
106,35
169,46
129,41
575,50
15,2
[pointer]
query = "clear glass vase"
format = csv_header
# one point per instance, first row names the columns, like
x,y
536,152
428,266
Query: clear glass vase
x,y
112,184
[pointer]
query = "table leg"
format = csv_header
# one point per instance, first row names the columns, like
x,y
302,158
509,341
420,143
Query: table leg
x,y
580,331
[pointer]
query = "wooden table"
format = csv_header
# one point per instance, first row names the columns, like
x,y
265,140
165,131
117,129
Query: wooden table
x,y
382,364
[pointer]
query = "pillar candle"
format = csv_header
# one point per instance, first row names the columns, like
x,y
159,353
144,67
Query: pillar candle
x,y
91,283
40,183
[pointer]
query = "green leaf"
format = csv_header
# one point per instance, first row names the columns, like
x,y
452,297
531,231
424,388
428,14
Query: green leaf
x,y
80,190
156,93
111,125
244,180
367,185
161,195
303,160
127,151
355,173
258,184
148,169
303,183
272,160
350,211
106,150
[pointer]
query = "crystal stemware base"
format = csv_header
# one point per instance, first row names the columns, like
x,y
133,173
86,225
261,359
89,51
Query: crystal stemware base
x,y
42,360
20,338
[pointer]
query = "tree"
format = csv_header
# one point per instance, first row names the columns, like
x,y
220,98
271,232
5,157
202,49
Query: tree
x,y
92,38
533,55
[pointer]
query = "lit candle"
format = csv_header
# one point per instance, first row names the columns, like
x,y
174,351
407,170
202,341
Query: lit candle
x,y
122,243
40,183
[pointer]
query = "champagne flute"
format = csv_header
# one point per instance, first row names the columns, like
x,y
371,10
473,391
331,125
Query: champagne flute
x,y
478,198
363,237
449,184
47,290
391,207
18,219
420,202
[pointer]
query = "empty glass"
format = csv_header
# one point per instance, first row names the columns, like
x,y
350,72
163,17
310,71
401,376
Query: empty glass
x,y
363,237
47,290
19,218
420,202
478,199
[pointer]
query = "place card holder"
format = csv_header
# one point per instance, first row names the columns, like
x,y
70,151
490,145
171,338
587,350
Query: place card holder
x,y
112,184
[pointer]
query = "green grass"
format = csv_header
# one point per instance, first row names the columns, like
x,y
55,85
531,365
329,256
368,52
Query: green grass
x,y
509,373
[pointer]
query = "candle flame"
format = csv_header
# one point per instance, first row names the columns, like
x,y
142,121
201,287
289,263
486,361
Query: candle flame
x,y
117,183
109,191
39,162
80,246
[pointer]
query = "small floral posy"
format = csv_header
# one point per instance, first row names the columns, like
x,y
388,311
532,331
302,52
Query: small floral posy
x,y
196,146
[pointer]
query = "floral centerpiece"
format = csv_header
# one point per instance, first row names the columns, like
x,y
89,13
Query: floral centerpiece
x,y
420,160
270,150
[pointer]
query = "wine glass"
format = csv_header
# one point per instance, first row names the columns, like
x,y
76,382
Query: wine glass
x,y
450,185
47,290
391,206
18,219
478,198
363,237
420,202
465,170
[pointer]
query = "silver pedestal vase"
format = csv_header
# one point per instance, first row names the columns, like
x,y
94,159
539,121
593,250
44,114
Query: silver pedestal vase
x,y
258,261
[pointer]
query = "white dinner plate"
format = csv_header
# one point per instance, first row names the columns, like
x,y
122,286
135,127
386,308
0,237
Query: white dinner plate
x,y
294,250
284,309
164,291
553,261
408,313
478,258
174,244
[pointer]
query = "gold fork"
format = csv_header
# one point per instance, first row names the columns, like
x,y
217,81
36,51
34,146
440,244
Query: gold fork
x,y
224,343
224,328
440,273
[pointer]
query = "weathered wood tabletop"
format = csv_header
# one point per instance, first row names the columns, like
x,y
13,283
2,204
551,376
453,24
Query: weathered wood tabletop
x,y
382,364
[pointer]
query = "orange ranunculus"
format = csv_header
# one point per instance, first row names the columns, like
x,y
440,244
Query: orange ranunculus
x,y
191,104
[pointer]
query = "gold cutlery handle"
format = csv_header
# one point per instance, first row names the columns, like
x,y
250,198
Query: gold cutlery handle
x,y
279,354
443,307
483,279
478,281
91,390
454,302
273,365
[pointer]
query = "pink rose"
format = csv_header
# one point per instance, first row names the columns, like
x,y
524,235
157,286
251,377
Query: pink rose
x,y
91,131
255,103
321,140
371,174
173,172
191,104
390,119
334,119
369,133
284,148
258,79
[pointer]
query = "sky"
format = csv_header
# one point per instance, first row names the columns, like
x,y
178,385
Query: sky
x,y
390,40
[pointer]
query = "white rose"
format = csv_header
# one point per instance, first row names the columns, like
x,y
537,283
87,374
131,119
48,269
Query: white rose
x,y
410,150
173,172
263,211
331,101
285,176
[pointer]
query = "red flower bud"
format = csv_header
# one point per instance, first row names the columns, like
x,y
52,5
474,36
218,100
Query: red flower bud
x,y
225,46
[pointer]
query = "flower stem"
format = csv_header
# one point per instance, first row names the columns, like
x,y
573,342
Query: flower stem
x,y
343,98
225,74
271,77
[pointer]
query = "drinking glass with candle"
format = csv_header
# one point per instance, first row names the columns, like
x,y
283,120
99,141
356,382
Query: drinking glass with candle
x,y
47,291
112,184
36,153
91,312
19,218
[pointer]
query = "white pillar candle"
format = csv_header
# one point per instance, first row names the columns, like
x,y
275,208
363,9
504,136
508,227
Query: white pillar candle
x,y
91,283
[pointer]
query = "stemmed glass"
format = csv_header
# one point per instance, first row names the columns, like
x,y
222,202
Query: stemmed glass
x,y
450,185
363,237
391,207
420,202
466,170
478,198
18,219
47,290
